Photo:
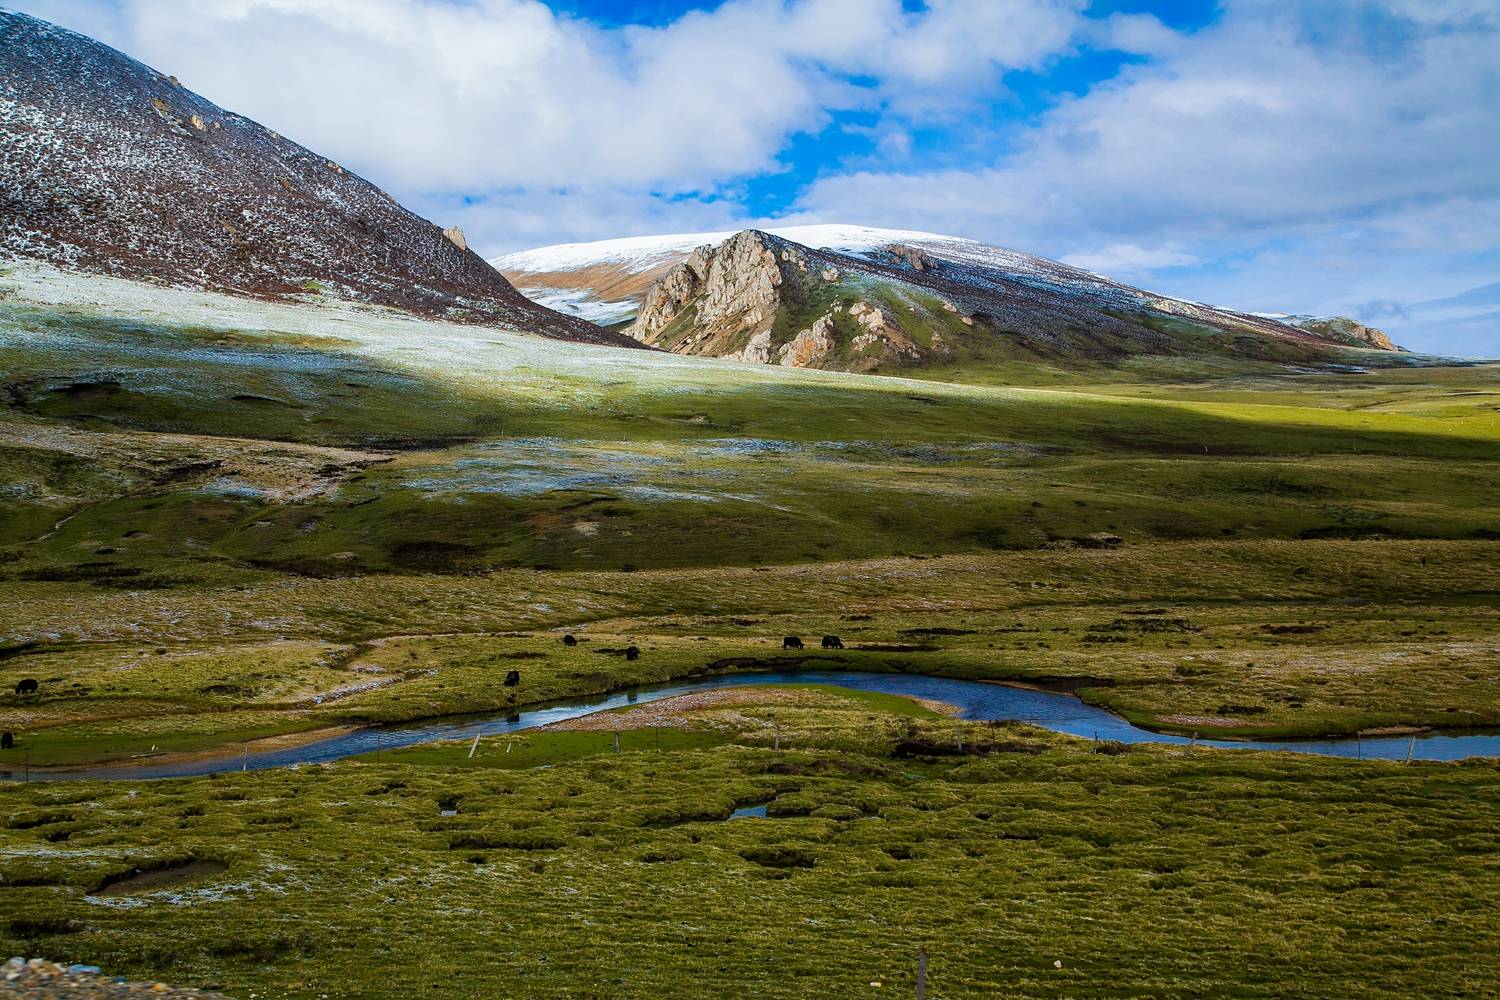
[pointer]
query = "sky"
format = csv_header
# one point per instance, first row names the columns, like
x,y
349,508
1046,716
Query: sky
x,y
1305,156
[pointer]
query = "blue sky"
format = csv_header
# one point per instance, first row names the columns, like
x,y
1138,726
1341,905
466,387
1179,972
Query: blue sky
x,y
1329,156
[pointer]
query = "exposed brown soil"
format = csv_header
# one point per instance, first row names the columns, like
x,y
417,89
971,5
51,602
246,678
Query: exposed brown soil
x,y
151,879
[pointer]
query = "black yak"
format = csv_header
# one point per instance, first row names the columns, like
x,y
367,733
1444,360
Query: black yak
x,y
26,686
832,642
791,642
632,653
513,678
7,741
569,640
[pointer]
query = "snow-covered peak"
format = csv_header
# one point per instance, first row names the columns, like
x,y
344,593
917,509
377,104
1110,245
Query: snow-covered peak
x,y
641,253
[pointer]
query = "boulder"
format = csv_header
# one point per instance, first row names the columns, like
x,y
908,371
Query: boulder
x,y
913,257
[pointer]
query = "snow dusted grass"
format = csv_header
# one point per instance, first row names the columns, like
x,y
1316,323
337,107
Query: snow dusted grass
x,y
498,361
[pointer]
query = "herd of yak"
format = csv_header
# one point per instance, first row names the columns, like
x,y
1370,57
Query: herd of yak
x,y
30,685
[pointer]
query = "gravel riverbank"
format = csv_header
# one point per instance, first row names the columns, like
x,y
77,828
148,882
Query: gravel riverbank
x,y
39,979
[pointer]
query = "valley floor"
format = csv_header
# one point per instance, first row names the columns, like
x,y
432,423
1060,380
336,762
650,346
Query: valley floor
x,y
229,523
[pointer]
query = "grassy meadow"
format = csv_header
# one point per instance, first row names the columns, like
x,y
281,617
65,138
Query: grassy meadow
x,y
231,524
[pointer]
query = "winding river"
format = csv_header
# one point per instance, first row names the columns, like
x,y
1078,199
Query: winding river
x,y
1061,713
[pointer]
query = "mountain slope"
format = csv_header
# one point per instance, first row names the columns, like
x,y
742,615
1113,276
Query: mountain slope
x,y
110,166
869,299
1341,328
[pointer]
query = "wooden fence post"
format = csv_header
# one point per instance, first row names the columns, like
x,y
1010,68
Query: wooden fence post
x,y
922,973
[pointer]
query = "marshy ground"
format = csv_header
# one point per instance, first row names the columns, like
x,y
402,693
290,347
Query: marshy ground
x,y
1144,871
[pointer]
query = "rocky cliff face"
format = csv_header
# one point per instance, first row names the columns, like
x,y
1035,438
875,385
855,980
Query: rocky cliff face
x,y
107,165
758,298
1350,331
734,289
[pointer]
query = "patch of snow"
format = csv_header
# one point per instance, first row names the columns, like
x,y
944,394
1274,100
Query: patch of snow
x,y
641,253
578,302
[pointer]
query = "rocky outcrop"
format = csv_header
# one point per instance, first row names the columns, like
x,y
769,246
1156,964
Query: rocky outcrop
x,y
881,335
729,300
913,257
1348,330
810,346
734,290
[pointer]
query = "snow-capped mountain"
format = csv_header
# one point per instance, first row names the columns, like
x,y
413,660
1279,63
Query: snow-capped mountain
x,y
109,166
859,298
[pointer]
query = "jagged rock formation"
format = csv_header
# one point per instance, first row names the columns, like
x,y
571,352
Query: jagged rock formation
x,y
1348,330
758,298
869,299
734,289
107,165
913,257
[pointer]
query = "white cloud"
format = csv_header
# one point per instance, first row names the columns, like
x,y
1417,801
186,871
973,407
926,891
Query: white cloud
x,y
1300,156
481,95
1306,158
1249,128
1127,259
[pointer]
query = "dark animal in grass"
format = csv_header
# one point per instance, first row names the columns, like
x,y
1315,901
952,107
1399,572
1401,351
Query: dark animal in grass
x,y
7,741
569,640
791,642
632,653
832,642
26,686
513,678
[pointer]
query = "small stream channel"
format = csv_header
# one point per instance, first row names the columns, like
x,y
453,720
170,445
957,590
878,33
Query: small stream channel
x,y
978,700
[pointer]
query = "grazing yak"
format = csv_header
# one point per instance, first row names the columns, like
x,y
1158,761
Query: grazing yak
x,y
513,678
570,640
7,741
26,686
832,642
791,642
632,653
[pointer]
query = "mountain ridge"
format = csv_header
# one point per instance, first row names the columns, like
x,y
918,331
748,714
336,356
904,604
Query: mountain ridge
x,y
896,291
116,168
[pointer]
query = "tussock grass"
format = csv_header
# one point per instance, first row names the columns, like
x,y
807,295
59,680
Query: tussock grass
x,y
1147,873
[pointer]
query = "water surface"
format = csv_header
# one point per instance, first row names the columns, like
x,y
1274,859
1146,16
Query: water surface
x,y
979,700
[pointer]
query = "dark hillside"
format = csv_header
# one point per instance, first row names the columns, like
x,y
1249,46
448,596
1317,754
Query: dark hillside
x,y
112,167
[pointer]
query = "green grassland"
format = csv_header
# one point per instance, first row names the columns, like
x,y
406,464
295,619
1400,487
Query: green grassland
x,y
230,524
1273,638
1141,871
548,463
